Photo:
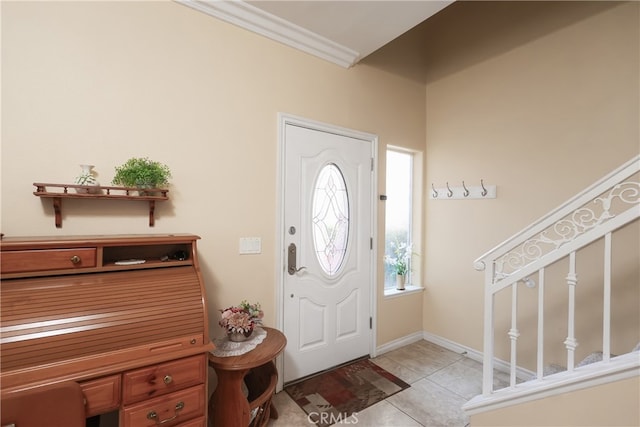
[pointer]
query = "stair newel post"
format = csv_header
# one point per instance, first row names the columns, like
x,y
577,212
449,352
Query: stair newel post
x,y
514,333
571,343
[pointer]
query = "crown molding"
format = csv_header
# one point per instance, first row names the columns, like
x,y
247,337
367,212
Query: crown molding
x,y
251,18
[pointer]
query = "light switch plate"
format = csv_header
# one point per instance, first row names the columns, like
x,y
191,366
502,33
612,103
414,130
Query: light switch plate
x,y
250,245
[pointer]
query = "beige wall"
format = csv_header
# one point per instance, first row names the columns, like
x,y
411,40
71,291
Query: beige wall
x,y
613,404
99,82
541,109
540,99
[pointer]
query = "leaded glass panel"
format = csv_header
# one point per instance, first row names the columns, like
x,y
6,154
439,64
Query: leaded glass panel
x,y
330,218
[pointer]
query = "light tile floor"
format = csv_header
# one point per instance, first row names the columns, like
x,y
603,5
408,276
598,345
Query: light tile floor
x,y
441,382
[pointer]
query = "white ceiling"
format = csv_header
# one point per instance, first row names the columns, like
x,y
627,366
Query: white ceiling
x,y
343,32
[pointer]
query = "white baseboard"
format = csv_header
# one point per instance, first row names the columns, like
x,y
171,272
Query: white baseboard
x,y
400,342
471,353
453,346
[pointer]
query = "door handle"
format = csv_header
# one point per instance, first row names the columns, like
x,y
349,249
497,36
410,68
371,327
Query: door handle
x,y
291,260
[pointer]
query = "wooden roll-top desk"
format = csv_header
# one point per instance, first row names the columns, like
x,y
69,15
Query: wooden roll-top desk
x,y
86,309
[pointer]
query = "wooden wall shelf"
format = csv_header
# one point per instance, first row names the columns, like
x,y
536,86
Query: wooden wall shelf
x,y
57,192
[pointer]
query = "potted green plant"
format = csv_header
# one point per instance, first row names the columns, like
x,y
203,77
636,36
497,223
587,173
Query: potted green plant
x,y
141,172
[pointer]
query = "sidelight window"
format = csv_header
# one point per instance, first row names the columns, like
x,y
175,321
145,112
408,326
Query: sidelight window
x,y
403,214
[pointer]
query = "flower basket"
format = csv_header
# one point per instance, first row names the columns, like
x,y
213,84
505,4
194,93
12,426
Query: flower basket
x,y
240,321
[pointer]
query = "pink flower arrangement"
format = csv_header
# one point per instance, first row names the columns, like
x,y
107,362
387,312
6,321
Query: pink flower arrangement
x,y
241,319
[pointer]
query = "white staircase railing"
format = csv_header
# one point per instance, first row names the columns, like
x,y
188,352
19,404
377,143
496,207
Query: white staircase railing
x,y
594,214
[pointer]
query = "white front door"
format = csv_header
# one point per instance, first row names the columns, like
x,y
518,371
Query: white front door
x,y
327,247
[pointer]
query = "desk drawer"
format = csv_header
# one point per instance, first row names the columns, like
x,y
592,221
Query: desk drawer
x,y
47,259
163,378
101,395
169,410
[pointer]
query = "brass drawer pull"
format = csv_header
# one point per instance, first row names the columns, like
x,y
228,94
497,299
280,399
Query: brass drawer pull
x,y
153,415
167,379
75,259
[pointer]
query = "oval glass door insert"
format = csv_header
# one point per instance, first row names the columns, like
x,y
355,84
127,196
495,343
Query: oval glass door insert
x,y
330,218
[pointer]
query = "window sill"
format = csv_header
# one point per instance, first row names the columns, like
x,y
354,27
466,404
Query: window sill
x,y
409,290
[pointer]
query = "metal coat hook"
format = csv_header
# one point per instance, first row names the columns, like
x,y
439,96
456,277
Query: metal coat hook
x,y
466,190
463,192
449,192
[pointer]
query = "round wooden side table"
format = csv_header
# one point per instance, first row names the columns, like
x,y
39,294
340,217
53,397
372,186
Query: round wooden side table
x,y
228,406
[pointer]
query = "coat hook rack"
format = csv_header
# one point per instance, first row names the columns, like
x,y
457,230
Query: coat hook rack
x,y
463,192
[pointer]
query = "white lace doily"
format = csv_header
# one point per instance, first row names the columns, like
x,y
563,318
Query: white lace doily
x,y
225,348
